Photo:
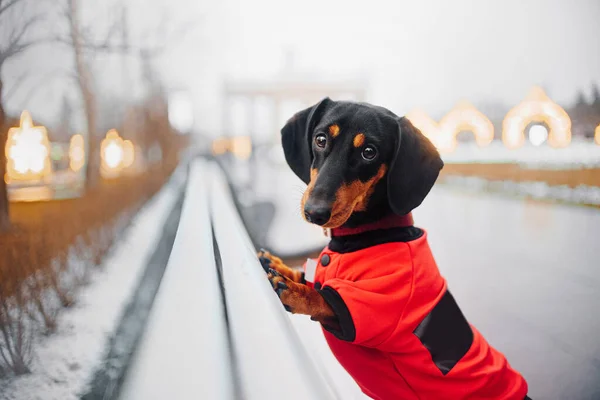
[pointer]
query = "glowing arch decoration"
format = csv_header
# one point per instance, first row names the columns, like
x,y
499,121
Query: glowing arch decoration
x,y
427,125
536,107
465,117
597,135
431,129
422,121
27,152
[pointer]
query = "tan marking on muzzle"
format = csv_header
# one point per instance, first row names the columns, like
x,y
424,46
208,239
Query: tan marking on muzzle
x,y
359,140
353,197
308,191
334,130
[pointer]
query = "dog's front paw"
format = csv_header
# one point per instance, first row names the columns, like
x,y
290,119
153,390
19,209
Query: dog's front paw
x,y
286,291
280,285
268,261
298,298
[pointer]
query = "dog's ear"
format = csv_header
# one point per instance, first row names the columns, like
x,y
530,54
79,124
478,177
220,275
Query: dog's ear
x,y
414,169
296,138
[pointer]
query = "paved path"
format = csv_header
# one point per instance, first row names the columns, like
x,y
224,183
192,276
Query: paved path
x,y
527,274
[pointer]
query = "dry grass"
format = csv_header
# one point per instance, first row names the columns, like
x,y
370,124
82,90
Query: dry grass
x,y
50,252
514,172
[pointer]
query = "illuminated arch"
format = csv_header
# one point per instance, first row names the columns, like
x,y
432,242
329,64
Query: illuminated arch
x,y
537,107
431,129
465,117
427,125
597,135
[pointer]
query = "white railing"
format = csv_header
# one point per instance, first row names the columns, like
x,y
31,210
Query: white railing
x,y
184,352
217,329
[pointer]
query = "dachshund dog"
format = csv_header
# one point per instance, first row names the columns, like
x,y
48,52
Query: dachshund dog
x,y
385,310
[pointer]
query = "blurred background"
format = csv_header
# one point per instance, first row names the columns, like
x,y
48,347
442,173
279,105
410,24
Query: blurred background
x,y
101,101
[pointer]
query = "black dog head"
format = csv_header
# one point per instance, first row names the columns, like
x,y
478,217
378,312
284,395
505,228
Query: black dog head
x,y
343,150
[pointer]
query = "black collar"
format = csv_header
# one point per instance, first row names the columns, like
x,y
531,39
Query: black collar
x,y
350,243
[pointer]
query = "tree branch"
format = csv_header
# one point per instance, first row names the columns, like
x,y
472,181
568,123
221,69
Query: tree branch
x,y
16,48
17,34
5,7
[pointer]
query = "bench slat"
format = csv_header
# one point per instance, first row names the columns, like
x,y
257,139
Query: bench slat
x,y
184,352
270,357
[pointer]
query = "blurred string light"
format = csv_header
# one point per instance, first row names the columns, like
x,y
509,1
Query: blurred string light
x,y
27,151
76,153
112,154
597,135
538,134
128,153
220,146
240,146
537,106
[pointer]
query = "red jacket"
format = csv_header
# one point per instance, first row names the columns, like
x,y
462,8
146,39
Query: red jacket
x,y
402,335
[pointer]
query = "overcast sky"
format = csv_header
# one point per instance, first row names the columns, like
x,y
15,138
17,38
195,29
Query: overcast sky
x,y
427,54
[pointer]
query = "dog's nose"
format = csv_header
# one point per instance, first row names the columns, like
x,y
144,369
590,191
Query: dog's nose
x,y
317,214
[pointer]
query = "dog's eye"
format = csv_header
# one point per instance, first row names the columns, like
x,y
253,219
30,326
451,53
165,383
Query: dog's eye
x,y
369,153
321,141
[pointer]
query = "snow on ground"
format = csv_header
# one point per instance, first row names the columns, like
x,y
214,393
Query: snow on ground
x,y
581,194
65,361
578,154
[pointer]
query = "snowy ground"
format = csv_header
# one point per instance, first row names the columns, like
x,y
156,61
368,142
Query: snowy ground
x,y
583,194
577,155
64,362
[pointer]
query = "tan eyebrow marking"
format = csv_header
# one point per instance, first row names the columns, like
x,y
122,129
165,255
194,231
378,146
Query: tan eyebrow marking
x,y
359,140
334,130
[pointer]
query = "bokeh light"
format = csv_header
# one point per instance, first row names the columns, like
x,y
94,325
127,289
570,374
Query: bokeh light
x,y
27,151
537,107
76,153
128,153
112,154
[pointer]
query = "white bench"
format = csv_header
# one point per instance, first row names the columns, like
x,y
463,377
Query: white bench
x,y
203,342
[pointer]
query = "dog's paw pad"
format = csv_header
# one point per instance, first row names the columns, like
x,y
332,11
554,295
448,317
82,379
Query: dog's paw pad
x,y
281,286
265,263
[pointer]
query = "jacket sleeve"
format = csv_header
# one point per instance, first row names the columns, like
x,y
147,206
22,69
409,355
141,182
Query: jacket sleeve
x,y
368,310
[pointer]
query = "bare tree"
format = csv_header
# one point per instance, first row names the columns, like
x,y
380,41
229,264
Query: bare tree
x,y
85,41
14,40
85,82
